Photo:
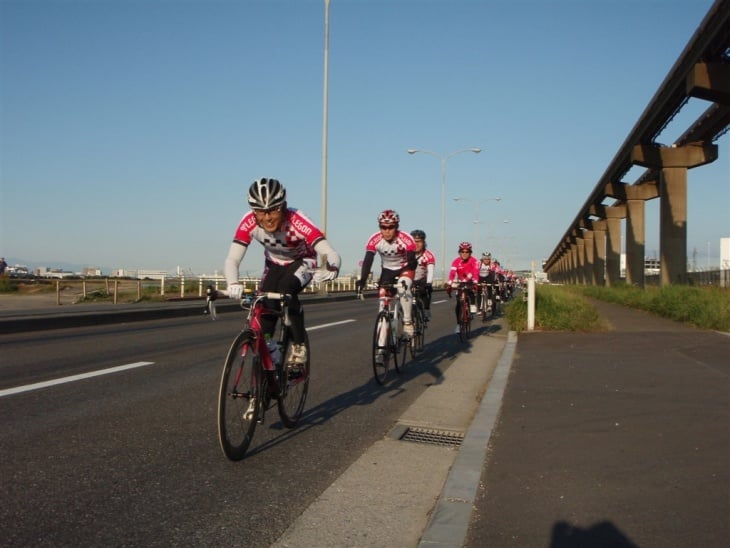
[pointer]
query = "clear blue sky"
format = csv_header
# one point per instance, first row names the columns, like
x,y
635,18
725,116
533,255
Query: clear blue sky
x,y
131,129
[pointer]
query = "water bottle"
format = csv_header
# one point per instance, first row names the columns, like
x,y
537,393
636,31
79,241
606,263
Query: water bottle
x,y
274,350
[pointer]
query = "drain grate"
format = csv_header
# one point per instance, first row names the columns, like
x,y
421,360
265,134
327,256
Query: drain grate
x,y
434,437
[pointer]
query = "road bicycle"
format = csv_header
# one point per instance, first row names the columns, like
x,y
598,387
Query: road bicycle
x,y
388,342
464,311
252,381
485,302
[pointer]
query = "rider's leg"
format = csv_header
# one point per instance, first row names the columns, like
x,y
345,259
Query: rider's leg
x,y
405,296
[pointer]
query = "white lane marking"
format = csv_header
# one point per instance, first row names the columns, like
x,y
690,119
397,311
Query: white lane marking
x,y
72,378
328,325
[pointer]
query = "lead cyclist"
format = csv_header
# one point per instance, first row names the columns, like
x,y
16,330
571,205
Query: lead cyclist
x,y
291,244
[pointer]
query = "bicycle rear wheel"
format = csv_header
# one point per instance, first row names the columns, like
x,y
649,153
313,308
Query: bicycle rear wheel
x,y
419,327
382,354
240,398
400,350
294,392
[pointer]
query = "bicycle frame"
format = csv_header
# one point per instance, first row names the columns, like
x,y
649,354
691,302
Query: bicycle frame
x,y
462,296
255,307
388,300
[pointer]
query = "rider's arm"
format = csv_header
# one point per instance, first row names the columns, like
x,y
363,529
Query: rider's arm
x,y
429,274
367,264
235,255
411,261
334,261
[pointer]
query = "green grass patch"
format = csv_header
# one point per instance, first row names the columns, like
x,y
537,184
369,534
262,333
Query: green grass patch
x,y
705,307
557,308
566,308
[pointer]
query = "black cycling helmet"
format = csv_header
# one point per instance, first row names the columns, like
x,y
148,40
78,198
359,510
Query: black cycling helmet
x,y
266,194
418,234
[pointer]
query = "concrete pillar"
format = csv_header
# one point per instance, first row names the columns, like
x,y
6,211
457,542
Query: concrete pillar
x,y
613,251
581,256
673,162
599,252
588,275
574,263
635,242
673,225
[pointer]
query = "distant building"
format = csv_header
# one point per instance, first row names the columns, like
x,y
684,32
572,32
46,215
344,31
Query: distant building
x,y
45,272
141,274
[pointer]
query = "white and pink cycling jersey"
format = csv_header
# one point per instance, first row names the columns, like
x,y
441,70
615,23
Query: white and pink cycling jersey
x,y
426,258
464,271
393,253
294,240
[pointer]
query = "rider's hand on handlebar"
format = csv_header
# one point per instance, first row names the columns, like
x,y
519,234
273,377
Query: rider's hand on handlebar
x,y
325,275
359,285
235,291
448,290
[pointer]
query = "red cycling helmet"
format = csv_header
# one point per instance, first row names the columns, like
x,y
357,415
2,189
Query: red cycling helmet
x,y
388,217
465,246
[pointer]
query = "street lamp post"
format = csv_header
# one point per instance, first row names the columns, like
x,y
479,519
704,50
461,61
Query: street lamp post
x,y
476,205
444,159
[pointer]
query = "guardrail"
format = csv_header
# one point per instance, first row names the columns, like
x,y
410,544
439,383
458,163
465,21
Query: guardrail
x,y
137,290
129,290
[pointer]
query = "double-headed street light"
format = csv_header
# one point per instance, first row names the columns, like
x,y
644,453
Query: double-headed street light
x,y
476,204
444,159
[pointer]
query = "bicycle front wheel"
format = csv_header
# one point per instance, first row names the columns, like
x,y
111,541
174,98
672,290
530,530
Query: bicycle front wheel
x,y
239,398
382,349
464,321
294,389
419,328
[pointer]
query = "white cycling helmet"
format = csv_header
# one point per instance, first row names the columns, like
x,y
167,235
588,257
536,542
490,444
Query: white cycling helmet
x,y
266,194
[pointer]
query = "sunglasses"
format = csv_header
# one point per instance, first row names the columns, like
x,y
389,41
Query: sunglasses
x,y
384,227
270,211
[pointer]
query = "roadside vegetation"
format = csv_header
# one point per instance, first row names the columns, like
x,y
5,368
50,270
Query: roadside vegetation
x,y
567,308
556,309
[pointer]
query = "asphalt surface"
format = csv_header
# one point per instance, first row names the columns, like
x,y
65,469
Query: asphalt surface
x,y
619,438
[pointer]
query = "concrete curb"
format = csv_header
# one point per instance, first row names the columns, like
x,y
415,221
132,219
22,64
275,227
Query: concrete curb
x,y
450,520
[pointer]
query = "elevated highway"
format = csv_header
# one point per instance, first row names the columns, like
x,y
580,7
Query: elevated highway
x,y
589,251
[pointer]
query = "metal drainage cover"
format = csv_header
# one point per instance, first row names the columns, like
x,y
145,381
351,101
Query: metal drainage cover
x,y
434,437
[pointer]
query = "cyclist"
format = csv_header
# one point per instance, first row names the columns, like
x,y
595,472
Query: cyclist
x,y
291,243
397,252
499,281
487,277
423,279
464,268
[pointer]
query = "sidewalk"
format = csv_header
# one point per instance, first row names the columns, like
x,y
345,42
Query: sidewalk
x,y
620,439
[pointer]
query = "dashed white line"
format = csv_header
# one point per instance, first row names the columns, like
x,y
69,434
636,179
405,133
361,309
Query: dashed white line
x,y
322,326
90,374
72,378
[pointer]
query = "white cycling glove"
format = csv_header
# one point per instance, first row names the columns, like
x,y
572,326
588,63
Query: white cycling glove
x,y
322,275
235,291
